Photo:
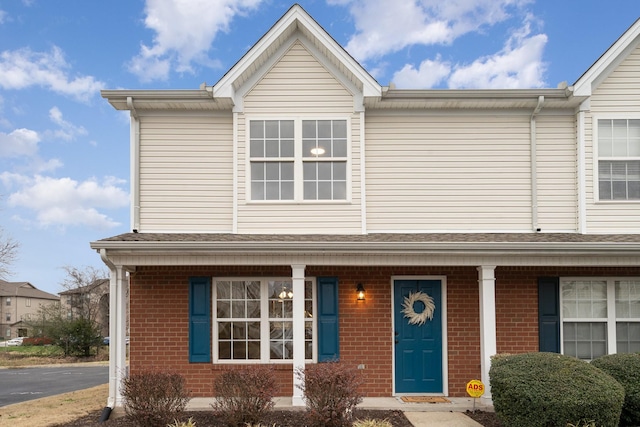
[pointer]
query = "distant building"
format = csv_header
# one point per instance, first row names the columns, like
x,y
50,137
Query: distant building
x,y
91,301
19,302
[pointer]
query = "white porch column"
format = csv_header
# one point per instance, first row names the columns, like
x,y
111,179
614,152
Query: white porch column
x,y
298,331
488,346
117,331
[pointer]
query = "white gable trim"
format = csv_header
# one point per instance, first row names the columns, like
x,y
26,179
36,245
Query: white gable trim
x,y
255,78
601,69
296,17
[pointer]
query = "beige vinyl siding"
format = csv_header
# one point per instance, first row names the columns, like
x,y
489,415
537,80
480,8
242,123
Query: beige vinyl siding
x,y
186,175
443,172
556,164
298,86
616,97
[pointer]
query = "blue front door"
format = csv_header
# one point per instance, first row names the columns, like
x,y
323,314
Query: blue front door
x,y
418,344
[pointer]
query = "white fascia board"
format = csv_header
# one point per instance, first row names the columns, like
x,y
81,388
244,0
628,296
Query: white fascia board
x,y
608,61
295,16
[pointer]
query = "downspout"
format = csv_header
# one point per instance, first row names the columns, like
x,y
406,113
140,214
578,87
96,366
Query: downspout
x,y
135,165
113,374
534,166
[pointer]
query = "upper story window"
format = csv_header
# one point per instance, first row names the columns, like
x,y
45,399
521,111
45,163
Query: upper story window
x,y
298,159
8,301
619,159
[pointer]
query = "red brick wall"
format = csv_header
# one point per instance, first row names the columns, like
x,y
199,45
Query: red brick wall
x,y
159,319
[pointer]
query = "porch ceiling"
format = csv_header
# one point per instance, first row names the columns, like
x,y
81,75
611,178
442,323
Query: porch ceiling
x,y
563,249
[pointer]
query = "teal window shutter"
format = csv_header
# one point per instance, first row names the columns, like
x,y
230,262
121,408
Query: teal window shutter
x,y
549,314
328,327
199,319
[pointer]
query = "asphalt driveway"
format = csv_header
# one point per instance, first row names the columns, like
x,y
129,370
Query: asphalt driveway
x,y
23,384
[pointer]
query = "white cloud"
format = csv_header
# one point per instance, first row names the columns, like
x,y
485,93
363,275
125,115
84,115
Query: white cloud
x,y
20,142
518,65
67,131
429,74
66,202
23,68
184,31
384,27
3,16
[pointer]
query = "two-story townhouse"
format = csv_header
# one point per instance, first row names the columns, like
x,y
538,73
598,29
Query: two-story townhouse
x,y
20,303
297,212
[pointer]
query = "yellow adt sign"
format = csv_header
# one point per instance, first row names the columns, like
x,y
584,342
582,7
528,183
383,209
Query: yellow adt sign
x,y
475,388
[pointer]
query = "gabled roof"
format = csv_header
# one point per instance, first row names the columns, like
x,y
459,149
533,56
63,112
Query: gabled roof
x,y
23,290
88,288
295,23
601,69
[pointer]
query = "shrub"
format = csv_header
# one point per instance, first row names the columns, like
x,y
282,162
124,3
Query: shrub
x,y
548,389
332,392
37,341
243,396
153,398
626,369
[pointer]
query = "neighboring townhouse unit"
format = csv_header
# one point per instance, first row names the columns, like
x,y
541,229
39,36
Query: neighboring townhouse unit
x,y
19,303
90,302
475,222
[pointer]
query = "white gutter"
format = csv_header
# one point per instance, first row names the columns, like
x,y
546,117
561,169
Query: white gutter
x,y
534,166
113,371
135,165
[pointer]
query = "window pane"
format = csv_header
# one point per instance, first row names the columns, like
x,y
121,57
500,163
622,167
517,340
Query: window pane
x,y
223,290
286,191
256,129
223,309
584,340
340,171
309,129
324,128
310,192
257,191
257,148
309,171
340,191
224,350
272,191
224,330
273,171
604,138
340,148
286,129
272,129
287,148
324,171
340,129
286,171
324,191
627,299
254,350
272,148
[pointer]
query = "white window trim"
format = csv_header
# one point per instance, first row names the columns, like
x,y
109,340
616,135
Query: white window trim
x,y
298,178
596,155
264,322
612,342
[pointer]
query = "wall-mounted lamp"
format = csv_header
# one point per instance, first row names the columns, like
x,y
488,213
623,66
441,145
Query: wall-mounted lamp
x,y
360,292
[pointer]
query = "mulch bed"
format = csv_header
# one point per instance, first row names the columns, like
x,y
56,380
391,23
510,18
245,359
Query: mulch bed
x,y
279,418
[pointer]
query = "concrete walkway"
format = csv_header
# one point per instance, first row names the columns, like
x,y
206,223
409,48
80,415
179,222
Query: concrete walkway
x,y
449,414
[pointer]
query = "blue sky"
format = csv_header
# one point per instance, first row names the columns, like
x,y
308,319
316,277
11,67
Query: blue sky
x,y
64,151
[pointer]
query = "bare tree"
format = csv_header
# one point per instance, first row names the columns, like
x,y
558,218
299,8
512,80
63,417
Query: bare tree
x,y
86,294
8,254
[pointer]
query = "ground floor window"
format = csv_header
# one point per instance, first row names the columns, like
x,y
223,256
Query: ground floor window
x,y
254,319
600,316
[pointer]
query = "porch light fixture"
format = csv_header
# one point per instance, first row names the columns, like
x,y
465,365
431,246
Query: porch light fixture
x,y
360,292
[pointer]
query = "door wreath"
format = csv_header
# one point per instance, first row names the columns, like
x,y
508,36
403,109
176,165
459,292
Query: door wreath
x,y
418,318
